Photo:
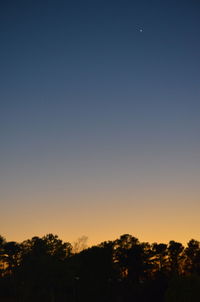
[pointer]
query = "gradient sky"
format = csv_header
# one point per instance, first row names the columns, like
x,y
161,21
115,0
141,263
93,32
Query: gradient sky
x,y
99,122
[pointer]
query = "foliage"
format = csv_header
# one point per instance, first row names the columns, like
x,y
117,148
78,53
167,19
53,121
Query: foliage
x,y
48,269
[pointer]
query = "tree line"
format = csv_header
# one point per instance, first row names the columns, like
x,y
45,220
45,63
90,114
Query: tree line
x,y
47,269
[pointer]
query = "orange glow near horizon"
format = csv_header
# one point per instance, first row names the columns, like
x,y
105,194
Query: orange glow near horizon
x,y
156,218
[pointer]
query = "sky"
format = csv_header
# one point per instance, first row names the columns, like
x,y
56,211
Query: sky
x,y
99,119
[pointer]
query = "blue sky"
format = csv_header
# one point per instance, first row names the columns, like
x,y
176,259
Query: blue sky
x,y
96,113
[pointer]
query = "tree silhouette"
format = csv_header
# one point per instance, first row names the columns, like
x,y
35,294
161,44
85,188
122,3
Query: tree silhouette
x,y
11,255
46,270
175,255
80,244
2,243
160,256
192,252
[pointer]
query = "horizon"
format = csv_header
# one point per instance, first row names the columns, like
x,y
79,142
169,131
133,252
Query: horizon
x,y
84,239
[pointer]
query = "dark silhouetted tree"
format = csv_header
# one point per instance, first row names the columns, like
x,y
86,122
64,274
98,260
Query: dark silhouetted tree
x,y
2,244
192,252
12,254
160,256
175,257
